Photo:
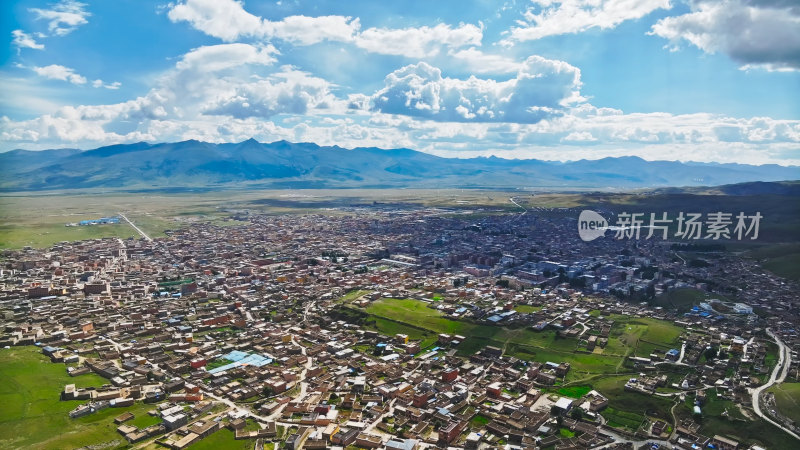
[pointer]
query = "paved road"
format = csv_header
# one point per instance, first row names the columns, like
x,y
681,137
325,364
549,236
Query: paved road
x,y
138,230
524,209
777,376
683,351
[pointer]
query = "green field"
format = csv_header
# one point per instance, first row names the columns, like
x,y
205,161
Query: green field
x,y
31,415
45,234
781,259
415,318
574,391
787,397
37,218
720,416
223,439
354,294
631,403
525,309
682,299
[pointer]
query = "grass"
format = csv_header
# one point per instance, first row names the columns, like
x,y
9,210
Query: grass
x,y
566,433
526,309
479,421
641,336
780,259
32,416
144,420
787,398
413,317
621,401
45,234
622,419
735,426
574,391
217,363
354,294
681,299
223,439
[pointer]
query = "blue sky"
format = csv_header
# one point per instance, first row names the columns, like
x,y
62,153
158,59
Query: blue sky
x,y
551,79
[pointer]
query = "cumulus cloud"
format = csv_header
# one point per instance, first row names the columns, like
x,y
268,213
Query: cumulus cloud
x,y
231,80
287,92
58,72
63,17
554,17
541,89
762,33
229,21
213,58
23,40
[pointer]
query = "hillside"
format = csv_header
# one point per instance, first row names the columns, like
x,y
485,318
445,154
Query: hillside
x,y
304,165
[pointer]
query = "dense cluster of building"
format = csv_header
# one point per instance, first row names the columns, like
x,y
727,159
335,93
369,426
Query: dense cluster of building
x,y
243,327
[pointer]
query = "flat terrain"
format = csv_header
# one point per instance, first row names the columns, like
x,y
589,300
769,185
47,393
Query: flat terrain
x,y
629,335
787,396
37,219
783,260
31,415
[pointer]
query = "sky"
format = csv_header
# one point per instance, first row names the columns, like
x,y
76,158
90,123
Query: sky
x,y
689,80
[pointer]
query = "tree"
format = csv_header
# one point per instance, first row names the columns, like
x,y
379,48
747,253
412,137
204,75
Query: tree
x,y
710,353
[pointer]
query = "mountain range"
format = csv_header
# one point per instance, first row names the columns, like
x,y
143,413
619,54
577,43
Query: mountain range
x,y
282,164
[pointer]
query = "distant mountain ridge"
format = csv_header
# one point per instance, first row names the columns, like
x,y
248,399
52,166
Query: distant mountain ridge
x,y
284,164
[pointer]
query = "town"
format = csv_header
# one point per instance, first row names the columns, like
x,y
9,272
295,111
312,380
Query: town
x,y
406,328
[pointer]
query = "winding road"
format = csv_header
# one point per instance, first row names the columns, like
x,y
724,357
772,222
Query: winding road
x,y
778,375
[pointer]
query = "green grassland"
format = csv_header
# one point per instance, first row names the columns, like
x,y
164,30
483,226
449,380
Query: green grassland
x,y
526,309
721,416
223,439
629,335
37,219
682,299
603,372
782,259
31,415
787,397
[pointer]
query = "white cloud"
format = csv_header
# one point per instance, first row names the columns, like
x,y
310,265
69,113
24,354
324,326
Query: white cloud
x,y
418,42
580,136
229,21
100,83
23,40
212,58
554,17
63,17
541,89
58,72
206,83
286,92
479,62
226,20
303,30
758,33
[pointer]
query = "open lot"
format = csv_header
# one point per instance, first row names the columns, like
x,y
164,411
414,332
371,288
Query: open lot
x,y
787,397
420,321
31,415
